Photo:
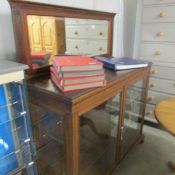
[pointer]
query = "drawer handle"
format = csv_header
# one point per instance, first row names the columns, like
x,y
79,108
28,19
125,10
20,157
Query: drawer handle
x,y
149,112
153,72
150,98
160,34
162,14
76,47
152,85
100,49
157,52
101,33
76,33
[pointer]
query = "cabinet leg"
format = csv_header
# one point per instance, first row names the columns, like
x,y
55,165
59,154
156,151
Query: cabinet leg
x,y
142,139
171,166
72,144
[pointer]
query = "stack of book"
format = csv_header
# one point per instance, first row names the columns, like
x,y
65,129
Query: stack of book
x,y
40,58
77,72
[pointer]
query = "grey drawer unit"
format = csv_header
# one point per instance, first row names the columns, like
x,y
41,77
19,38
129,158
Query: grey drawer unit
x,y
156,43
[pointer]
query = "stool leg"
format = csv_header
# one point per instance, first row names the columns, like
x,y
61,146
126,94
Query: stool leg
x,y
171,166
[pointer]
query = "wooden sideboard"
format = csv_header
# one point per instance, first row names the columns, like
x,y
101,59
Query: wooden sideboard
x,y
92,136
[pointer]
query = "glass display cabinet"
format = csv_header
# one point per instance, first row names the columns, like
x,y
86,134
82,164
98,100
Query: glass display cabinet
x,y
16,144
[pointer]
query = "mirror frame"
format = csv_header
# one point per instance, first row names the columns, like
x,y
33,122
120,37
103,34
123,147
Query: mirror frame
x,y
20,10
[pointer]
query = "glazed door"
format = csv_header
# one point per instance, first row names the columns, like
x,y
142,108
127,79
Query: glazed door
x,y
133,115
99,138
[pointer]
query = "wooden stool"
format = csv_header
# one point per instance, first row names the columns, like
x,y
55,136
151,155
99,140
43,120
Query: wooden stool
x,y
165,115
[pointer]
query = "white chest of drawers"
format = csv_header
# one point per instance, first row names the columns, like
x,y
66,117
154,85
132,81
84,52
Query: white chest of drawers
x,y
156,43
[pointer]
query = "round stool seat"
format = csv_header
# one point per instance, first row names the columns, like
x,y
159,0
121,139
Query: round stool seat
x,y
165,115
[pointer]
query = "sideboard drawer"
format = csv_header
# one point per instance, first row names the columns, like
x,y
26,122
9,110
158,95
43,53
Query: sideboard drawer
x,y
156,2
161,85
159,14
163,72
87,31
149,111
77,21
96,47
158,52
155,97
159,32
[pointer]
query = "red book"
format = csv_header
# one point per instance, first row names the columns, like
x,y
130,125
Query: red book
x,y
80,73
72,87
40,54
76,63
75,80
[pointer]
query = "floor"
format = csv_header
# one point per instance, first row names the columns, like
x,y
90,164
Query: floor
x,y
150,158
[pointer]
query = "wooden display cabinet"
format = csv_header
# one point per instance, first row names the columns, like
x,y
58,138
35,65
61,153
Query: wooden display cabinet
x,y
99,125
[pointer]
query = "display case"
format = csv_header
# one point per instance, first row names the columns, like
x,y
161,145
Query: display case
x,y
16,144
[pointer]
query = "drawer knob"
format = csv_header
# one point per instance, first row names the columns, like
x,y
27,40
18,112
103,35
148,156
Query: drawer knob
x,y
150,98
100,49
157,52
160,34
162,14
152,85
76,33
101,33
76,47
153,72
149,112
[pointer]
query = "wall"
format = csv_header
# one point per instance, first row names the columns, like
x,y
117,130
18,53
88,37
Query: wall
x,y
7,43
130,8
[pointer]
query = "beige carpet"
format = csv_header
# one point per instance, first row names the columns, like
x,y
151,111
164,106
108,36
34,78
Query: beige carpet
x,y
151,157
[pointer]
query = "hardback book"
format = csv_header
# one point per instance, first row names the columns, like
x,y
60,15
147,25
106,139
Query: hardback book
x,y
76,63
39,61
78,86
121,63
80,73
40,54
75,80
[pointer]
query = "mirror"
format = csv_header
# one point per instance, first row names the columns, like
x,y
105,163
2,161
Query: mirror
x,y
43,30
51,36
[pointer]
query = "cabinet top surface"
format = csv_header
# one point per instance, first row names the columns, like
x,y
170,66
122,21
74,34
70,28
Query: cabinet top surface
x,y
11,66
45,85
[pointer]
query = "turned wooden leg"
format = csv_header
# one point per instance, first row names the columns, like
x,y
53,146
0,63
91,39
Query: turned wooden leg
x,y
142,139
171,166
90,123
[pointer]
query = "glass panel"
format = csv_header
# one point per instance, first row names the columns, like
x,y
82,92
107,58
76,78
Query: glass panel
x,y
12,102
134,107
48,132
49,36
98,139
15,137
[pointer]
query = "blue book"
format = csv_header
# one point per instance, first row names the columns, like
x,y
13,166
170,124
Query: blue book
x,y
121,63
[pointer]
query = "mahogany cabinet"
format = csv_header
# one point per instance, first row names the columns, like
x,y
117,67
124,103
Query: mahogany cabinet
x,y
88,131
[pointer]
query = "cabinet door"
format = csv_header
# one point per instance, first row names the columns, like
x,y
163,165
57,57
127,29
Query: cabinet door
x,y
48,30
35,36
48,133
99,138
133,116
